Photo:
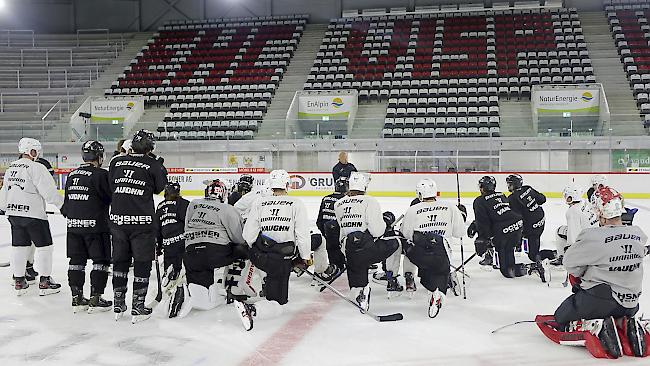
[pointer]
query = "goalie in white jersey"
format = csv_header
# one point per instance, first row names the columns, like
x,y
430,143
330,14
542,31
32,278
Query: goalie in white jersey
x,y
277,231
428,226
361,221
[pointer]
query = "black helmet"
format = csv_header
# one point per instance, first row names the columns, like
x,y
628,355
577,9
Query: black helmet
x,y
143,142
514,181
172,189
92,151
488,183
341,185
247,178
389,218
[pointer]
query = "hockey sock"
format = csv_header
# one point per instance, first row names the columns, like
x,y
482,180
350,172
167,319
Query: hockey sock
x,y
141,272
99,277
120,274
76,273
30,258
43,257
19,257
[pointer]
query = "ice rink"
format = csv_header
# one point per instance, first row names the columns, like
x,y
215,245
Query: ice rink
x,y
315,329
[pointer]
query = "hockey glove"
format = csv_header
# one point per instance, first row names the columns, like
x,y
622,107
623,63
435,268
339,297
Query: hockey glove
x,y
463,211
575,283
471,230
481,245
389,219
300,265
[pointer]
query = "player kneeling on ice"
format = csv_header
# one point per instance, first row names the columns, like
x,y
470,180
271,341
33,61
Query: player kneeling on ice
x,y
87,198
170,219
276,230
329,228
579,216
28,186
606,270
213,239
361,222
428,226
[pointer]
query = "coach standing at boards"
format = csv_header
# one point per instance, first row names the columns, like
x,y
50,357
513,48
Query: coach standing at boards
x,y
343,168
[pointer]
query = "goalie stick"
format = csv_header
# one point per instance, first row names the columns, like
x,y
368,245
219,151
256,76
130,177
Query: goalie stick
x,y
4,264
159,294
529,321
379,318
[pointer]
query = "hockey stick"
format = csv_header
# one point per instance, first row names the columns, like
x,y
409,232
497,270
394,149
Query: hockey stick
x,y
158,298
458,269
462,266
2,213
516,323
379,318
4,264
462,253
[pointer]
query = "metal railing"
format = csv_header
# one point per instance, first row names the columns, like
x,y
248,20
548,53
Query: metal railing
x,y
94,30
58,103
9,32
3,94
47,54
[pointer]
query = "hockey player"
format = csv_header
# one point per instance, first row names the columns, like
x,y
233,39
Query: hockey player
x,y
170,225
213,236
606,268
596,182
244,186
361,222
27,187
244,204
579,216
87,198
134,179
329,227
496,222
277,232
527,202
429,225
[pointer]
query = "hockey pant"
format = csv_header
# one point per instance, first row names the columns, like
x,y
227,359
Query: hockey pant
x,y
534,253
334,253
505,244
134,243
26,231
274,259
173,255
594,303
561,239
362,251
432,262
82,247
202,259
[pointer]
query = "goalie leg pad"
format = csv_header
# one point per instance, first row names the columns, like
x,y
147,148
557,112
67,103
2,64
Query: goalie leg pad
x,y
576,337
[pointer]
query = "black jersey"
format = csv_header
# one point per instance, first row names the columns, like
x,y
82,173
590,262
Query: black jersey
x,y
134,179
326,211
86,201
234,197
527,202
494,217
170,219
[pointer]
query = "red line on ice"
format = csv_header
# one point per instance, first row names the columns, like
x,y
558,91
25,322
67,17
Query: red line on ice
x,y
285,339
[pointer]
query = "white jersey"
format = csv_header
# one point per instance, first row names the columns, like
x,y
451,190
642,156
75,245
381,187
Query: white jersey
x,y
281,218
244,204
359,213
437,217
579,216
28,188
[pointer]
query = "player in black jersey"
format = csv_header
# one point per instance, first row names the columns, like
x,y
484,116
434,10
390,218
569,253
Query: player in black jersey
x,y
170,217
134,179
244,186
329,227
87,198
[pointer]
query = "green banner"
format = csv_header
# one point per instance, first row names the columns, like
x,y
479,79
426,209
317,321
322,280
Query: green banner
x,y
622,160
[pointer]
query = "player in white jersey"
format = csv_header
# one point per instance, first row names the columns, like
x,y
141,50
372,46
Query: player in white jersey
x,y
28,187
244,204
428,226
361,222
277,232
579,216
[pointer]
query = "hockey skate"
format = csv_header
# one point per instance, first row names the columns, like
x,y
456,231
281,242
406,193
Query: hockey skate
x,y
487,261
454,285
79,302
119,305
539,269
557,262
246,312
48,287
21,286
172,278
410,284
393,287
379,277
139,312
363,299
98,305
30,273
435,303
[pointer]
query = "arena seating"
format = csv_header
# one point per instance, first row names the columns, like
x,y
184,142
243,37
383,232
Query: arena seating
x,y
217,76
629,25
443,73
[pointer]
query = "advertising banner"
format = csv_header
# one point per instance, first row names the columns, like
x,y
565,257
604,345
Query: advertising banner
x,y
251,162
113,110
333,106
631,160
555,101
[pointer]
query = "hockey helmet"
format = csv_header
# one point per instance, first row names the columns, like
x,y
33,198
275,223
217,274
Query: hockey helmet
x,y
247,178
572,194
92,151
341,185
359,181
172,189
216,190
514,181
279,179
608,202
598,180
143,142
426,188
488,183
27,144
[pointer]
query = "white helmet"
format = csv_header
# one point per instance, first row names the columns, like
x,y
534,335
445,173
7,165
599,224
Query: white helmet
x,y
265,189
126,145
27,144
426,188
598,180
573,192
279,179
608,202
359,181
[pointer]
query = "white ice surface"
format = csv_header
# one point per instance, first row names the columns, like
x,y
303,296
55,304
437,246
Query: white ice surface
x,y
315,329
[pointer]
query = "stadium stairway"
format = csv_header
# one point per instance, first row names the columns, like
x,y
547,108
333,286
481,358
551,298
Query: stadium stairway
x,y
516,118
608,69
292,81
369,120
